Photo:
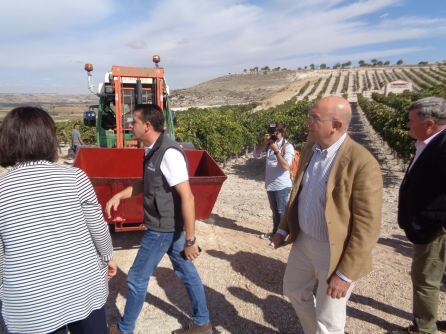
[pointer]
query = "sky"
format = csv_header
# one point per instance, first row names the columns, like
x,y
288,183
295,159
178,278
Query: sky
x,y
45,43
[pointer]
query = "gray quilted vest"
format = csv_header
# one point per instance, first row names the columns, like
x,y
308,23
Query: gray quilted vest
x,y
162,205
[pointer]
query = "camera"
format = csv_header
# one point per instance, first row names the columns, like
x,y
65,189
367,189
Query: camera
x,y
272,133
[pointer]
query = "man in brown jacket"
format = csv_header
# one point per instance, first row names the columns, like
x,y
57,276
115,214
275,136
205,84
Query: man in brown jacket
x,y
332,219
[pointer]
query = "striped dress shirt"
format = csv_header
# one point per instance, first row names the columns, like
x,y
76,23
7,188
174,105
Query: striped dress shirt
x,y
311,202
54,244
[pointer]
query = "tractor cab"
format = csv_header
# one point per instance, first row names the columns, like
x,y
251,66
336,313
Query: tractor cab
x,y
123,88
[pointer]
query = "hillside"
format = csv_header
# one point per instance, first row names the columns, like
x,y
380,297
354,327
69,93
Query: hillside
x,y
233,89
61,107
267,88
271,88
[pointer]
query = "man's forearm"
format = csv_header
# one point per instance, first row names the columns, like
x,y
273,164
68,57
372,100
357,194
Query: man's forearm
x,y
131,191
282,162
188,211
260,148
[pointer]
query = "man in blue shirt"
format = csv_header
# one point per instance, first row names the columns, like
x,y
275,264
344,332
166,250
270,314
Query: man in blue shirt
x,y
279,156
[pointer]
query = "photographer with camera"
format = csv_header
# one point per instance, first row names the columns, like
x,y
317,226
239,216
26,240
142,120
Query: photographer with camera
x,y
279,156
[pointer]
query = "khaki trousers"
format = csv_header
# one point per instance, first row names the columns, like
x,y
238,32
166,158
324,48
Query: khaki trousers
x,y
428,268
307,263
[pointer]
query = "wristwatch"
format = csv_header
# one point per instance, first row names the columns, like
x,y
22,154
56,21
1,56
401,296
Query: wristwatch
x,y
191,242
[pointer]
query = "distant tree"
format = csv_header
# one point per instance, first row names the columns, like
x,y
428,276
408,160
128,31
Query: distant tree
x,y
299,69
305,67
379,63
399,62
323,66
266,68
349,63
361,63
245,70
423,62
386,63
312,66
337,65
276,69
285,69
374,61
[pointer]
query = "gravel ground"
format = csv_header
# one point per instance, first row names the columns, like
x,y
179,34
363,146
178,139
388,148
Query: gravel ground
x,y
243,274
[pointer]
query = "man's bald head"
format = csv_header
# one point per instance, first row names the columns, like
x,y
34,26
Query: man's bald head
x,y
328,120
336,108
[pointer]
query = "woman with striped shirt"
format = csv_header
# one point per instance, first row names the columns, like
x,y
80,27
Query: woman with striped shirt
x,y
55,247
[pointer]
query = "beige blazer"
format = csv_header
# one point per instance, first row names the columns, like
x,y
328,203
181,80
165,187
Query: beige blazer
x,y
352,211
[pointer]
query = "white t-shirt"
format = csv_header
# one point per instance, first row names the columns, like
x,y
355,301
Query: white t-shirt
x,y
173,166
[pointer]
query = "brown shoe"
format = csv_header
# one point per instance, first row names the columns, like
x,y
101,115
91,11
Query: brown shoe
x,y
194,329
441,326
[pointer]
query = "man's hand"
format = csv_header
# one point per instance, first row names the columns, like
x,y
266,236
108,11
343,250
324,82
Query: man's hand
x,y
277,240
191,252
274,147
112,203
337,288
112,269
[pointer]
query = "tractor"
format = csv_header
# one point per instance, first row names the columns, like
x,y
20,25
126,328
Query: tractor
x,y
122,89
117,160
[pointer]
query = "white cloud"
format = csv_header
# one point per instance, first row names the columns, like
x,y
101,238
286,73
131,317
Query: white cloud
x,y
200,39
28,18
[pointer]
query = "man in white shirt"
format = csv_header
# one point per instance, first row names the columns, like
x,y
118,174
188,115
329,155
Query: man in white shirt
x,y
279,156
169,215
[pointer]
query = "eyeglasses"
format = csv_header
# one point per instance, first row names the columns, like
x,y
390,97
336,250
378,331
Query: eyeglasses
x,y
312,118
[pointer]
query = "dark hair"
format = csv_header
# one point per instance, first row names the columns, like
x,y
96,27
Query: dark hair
x,y
27,134
279,128
151,113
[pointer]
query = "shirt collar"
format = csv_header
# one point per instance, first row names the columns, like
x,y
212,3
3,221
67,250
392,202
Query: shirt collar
x,y
423,143
147,149
31,163
332,150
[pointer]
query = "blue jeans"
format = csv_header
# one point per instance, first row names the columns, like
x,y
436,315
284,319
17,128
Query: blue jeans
x,y
277,202
153,247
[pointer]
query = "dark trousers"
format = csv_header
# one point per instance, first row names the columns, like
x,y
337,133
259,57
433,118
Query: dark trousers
x,y
95,323
428,268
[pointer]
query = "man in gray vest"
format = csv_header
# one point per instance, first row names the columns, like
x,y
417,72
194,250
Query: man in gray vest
x,y
169,215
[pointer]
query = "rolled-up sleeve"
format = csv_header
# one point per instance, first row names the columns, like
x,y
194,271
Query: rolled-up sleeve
x,y
93,216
